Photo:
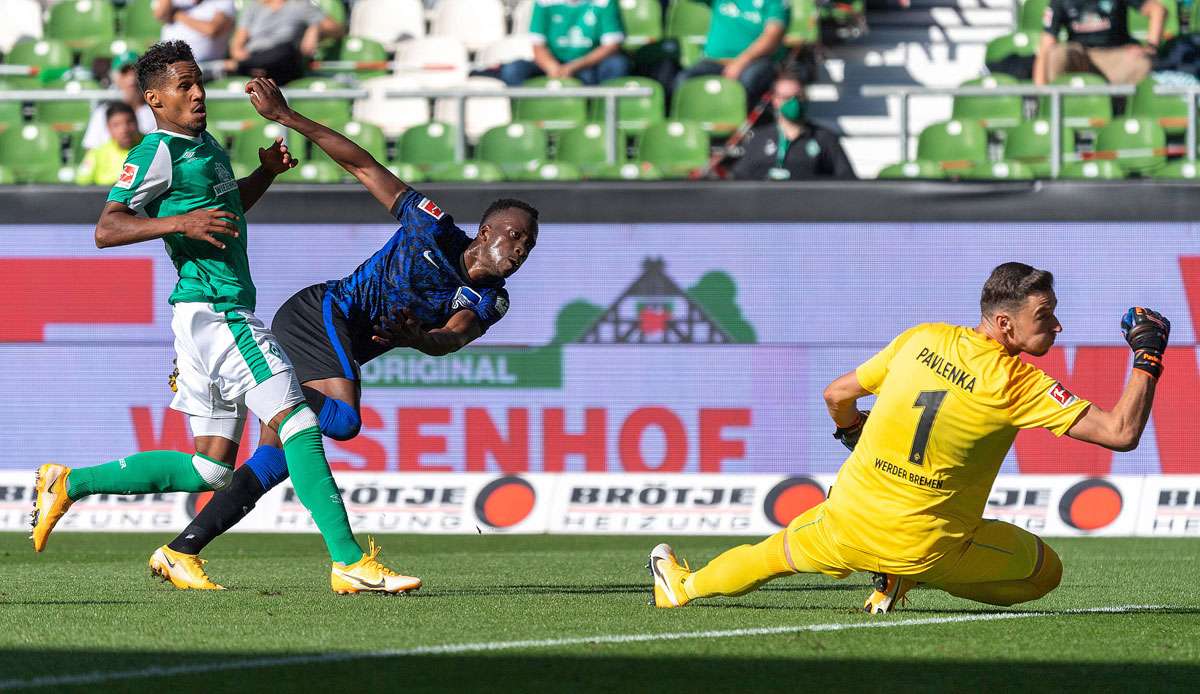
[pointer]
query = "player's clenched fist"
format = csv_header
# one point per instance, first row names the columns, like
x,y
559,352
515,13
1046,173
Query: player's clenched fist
x,y
1147,333
849,435
276,159
267,98
203,224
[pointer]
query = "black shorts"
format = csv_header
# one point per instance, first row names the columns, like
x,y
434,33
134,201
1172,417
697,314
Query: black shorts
x,y
318,339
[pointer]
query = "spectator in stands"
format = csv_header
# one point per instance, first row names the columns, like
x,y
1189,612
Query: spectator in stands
x,y
745,43
276,38
573,38
205,25
102,165
125,80
791,148
1098,40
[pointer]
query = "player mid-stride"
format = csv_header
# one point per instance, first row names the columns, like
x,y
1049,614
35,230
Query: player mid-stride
x,y
431,288
908,503
177,185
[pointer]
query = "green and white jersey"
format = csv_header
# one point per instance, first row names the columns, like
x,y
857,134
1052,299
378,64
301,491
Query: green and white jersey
x,y
171,174
737,23
573,28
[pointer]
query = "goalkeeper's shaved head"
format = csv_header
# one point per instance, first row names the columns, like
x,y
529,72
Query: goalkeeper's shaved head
x,y
1010,285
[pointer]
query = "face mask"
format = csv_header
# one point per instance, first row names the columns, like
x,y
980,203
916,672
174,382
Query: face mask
x,y
794,109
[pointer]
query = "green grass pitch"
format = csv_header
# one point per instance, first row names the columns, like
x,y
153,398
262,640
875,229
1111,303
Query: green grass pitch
x,y
88,607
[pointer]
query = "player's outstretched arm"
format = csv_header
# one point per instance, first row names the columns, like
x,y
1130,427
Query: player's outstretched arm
x,y
381,183
119,225
402,329
1147,333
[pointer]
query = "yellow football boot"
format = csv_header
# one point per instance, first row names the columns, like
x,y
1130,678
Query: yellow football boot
x,y
368,575
50,502
184,571
668,577
889,593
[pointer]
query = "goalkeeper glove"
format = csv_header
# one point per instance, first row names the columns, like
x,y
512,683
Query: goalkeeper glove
x,y
849,435
1147,333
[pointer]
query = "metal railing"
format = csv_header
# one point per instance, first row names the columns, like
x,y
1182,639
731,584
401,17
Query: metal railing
x,y
1054,93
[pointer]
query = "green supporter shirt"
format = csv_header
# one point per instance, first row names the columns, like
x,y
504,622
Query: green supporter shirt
x,y
170,174
737,23
571,30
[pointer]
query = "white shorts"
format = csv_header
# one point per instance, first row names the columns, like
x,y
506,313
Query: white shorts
x,y
221,356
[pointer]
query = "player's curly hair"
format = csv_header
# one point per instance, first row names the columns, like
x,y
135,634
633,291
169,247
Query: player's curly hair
x,y
1010,285
153,64
508,204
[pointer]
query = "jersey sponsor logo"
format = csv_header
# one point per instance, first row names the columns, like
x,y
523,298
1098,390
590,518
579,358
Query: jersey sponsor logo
x,y
465,297
430,208
224,187
128,173
501,307
1059,393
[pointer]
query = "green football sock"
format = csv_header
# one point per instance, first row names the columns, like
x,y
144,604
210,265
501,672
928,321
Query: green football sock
x,y
316,489
140,473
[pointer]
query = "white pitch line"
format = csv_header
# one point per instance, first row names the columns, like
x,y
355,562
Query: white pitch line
x,y
489,646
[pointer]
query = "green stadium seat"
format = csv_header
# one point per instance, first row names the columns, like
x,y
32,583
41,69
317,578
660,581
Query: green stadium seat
x,y
1103,170
585,147
643,22
1031,15
512,147
635,113
1139,144
1022,44
1170,110
48,55
955,145
365,135
138,21
62,174
246,143
718,104
6,176
406,172
11,114
33,152
1178,171
688,21
108,50
81,23
333,113
549,171
551,113
363,50
1081,111
999,171
426,145
691,51
629,171
75,148
1029,143
231,115
805,25
992,112
917,169
66,116
317,171
473,171
1139,24
675,147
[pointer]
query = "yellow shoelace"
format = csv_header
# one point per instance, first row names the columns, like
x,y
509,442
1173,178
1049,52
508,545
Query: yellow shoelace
x,y
372,561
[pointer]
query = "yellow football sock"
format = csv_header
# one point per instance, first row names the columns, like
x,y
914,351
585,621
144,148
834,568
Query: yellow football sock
x,y
741,569
1004,593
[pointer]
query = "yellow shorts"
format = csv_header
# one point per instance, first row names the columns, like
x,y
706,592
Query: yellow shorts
x,y
996,551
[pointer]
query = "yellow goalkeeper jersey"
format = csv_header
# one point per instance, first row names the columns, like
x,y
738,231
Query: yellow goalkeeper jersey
x,y
950,402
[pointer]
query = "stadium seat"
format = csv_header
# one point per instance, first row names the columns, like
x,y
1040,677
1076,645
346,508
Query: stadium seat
x,y
512,147
48,55
1029,143
629,171
360,49
11,114
691,50
999,170
1137,144
1170,110
688,21
718,104
369,137
955,145
427,145
66,116
475,171
1139,24
548,171
317,171
483,112
61,174
406,172
435,61
676,148
138,21
1099,170
505,50
1031,15
33,152
992,112
474,22
81,23
230,114
634,113
393,115
333,113
522,16
1022,44
108,50
643,22
1178,171
247,142
585,147
6,176
22,20
388,21
1081,111
551,113
919,169
804,27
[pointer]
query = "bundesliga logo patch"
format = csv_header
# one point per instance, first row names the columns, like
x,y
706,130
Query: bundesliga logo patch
x,y
430,208
1061,395
128,173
